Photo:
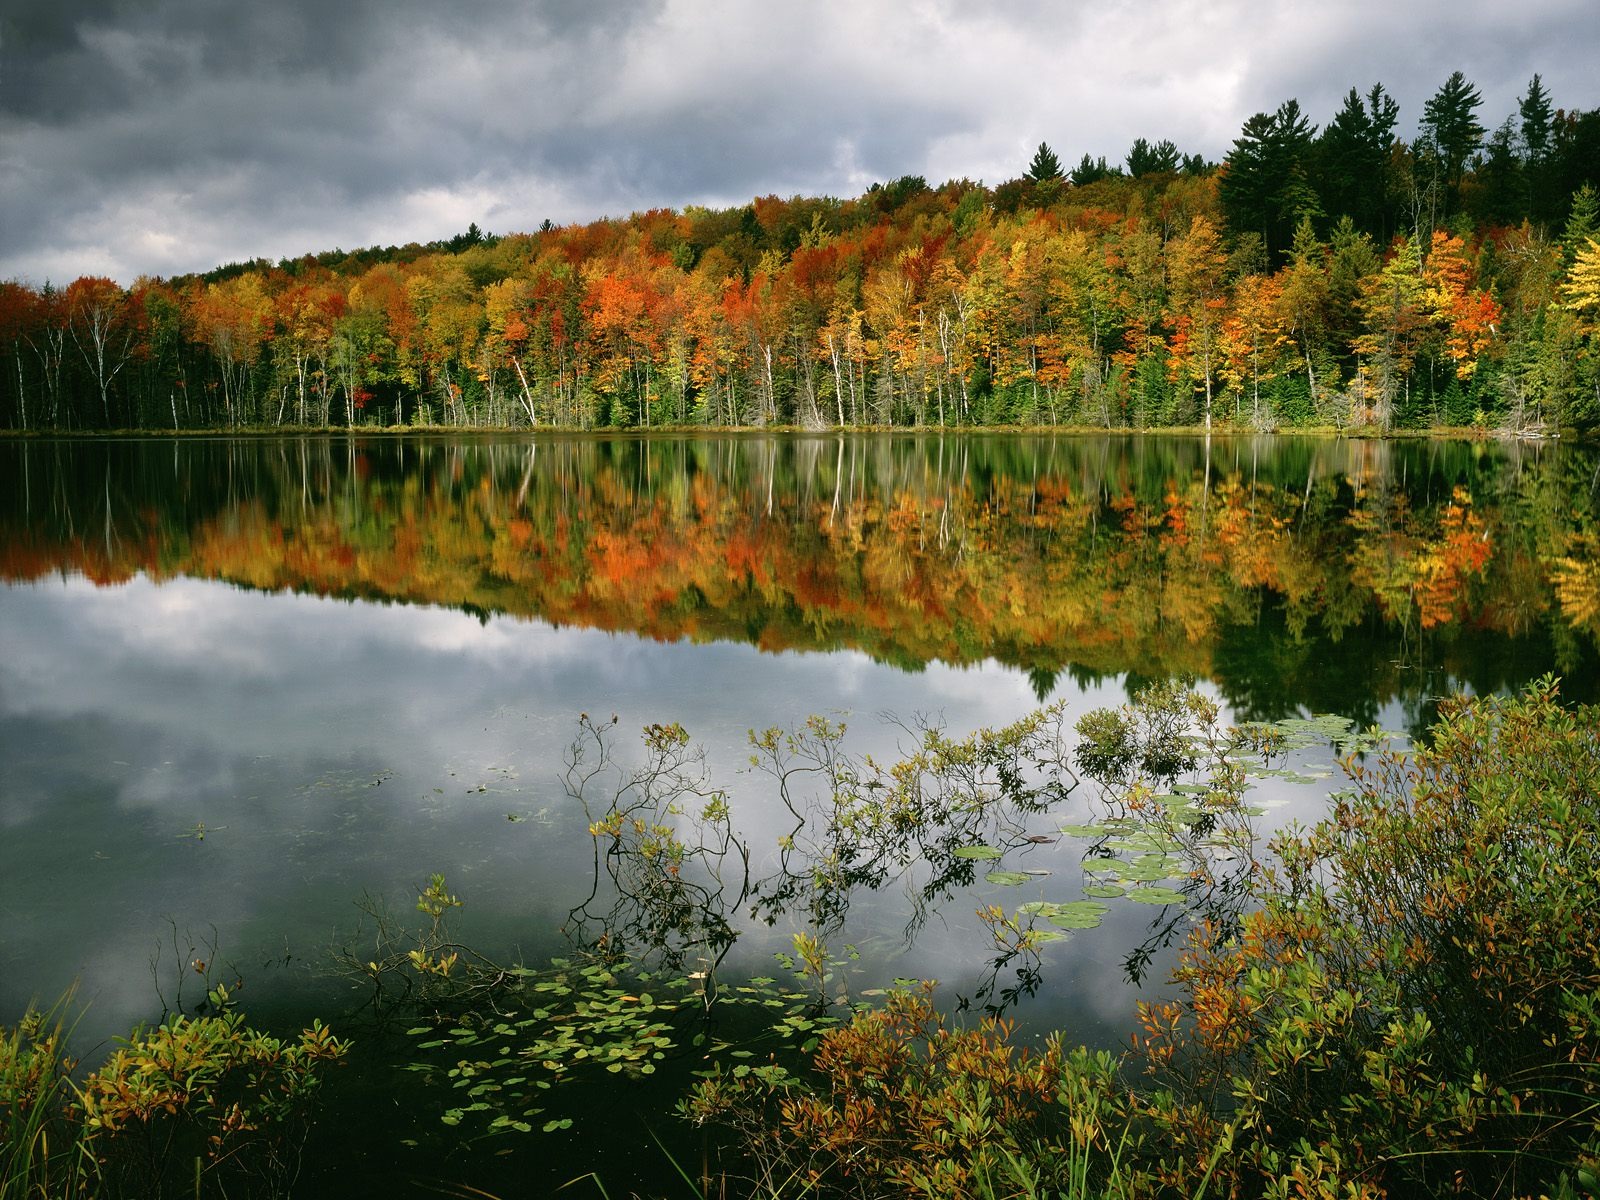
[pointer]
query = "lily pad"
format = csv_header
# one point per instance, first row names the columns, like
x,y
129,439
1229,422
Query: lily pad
x,y
1076,914
1105,891
1007,878
1087,831
1149,868
980,851
1155,895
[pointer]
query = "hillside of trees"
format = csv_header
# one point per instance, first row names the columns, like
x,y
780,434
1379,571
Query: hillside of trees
x,y
1337,277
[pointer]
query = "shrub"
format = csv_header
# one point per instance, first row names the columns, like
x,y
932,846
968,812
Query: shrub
x,y
201,1106
1411,1009
904,1105
1408,1008
39,1156
204,1099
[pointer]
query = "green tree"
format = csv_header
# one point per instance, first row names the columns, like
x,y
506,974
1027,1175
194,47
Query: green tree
x,y
1500,196
1091,170
1350,165
1265,187
1538,144
1451,127
1393,309
1583,222
1575,159
1145,159
1537,121
1045,167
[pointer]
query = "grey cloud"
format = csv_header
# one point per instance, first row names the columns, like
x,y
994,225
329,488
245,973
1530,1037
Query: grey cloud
x,y
168,135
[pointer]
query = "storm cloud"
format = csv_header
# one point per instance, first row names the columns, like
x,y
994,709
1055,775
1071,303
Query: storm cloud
x,y
167,136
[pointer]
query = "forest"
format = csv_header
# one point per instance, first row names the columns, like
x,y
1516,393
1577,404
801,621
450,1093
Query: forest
x,y
1338,278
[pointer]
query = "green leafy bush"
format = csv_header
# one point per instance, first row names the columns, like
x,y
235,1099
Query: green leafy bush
x,y
197,1106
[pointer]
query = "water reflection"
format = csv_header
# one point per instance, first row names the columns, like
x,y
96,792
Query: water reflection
x,y
1291,572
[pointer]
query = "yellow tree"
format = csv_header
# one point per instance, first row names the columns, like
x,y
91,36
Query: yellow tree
x,y
1254,337
234,318
1581,291
101,324
1581,297
507,308
1197,302
450,315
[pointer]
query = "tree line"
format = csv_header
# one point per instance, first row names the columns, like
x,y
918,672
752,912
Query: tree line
x,y
1346,279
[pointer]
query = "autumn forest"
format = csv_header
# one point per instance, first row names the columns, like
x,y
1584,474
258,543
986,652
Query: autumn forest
x,y
1335,277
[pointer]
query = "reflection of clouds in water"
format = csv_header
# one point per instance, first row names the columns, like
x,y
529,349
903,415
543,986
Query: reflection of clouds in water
x,y
343,745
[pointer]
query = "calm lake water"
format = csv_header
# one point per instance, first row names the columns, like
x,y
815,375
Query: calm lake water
x,y
249,686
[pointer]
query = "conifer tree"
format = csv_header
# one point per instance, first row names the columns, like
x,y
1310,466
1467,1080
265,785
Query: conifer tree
x,y
1045,167
1451,126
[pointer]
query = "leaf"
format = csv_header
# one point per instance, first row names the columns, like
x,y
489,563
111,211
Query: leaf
x,y
1150,868
1007,878
1104,890
979,851
1076,914
1156,895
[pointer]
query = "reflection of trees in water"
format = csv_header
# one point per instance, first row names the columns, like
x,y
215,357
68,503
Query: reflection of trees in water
x,y
1283,569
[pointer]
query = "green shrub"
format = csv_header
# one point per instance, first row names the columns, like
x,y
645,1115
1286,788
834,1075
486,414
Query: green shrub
x,y
204,1098
201,1106
39,1155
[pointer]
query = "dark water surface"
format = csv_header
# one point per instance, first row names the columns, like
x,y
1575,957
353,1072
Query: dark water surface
x,y
246,683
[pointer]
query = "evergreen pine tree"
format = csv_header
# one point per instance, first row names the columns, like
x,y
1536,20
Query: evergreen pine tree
x,y
1045,167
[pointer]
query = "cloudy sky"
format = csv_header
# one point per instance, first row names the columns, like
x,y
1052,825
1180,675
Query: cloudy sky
x,y
164,136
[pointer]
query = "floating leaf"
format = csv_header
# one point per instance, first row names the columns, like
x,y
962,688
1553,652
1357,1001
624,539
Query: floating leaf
x,y
1087,831
1007,878
1155,895
979,851
1150,868
1105,891
1076,914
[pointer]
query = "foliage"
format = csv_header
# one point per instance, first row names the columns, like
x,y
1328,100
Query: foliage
x,y
903,1104
197,1106
1408,1009
204,1101
41,1157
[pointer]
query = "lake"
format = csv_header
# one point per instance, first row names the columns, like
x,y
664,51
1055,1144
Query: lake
x,y
252,691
